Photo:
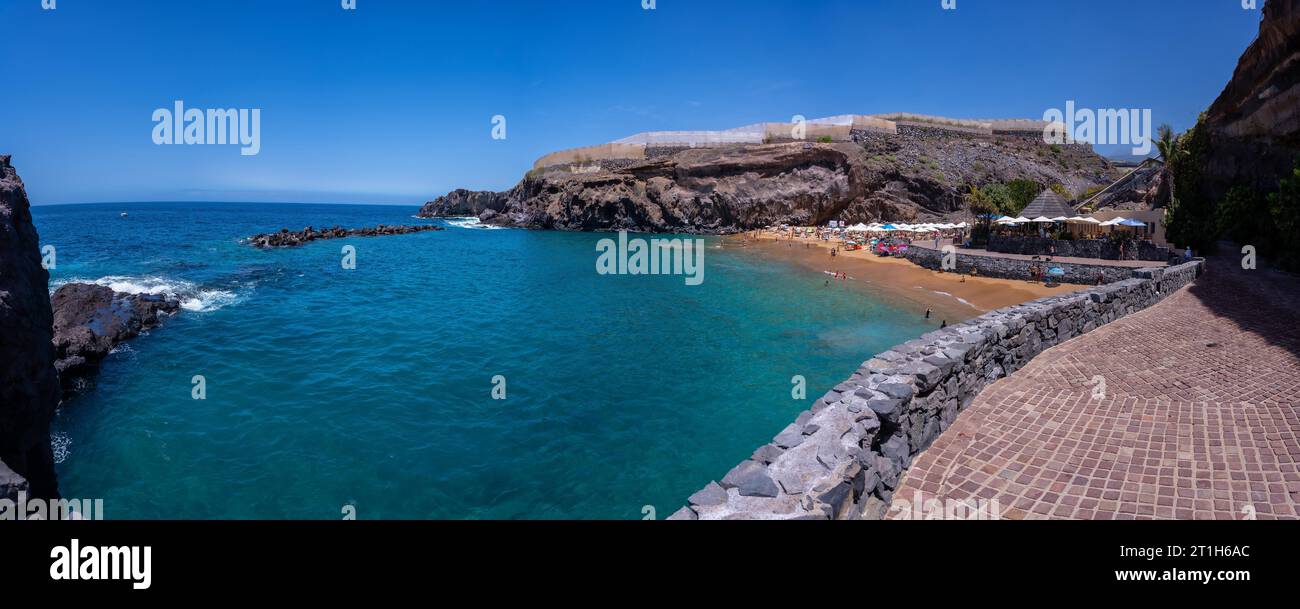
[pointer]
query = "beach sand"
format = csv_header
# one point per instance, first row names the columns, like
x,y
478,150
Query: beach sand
x,y
899,281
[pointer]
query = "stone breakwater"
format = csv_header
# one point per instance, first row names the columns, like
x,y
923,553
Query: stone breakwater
x,y
844,457
1010,268
288,238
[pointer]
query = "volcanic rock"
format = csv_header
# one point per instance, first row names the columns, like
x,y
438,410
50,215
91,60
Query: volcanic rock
x,y
90,320
29,384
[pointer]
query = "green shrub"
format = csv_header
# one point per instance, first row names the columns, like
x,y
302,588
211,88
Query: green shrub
x,y
1190,218
825,139
1284,211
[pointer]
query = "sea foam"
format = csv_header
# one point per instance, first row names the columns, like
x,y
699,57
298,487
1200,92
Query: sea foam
x,y
191,297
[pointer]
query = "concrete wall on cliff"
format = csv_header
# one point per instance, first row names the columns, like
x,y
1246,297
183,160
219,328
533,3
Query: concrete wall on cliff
x,y
29,385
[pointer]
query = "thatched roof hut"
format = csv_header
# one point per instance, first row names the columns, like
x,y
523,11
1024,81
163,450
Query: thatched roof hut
x,y
1049,204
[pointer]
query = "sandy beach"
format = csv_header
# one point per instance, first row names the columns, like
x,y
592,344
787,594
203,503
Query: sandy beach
x,y
951,297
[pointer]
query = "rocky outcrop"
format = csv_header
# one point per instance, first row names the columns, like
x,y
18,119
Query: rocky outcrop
x,y
90,320
461,202
288,238
915,175
29,385
1254,125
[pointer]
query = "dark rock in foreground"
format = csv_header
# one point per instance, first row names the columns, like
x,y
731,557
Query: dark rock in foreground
x,y
287,238
11,483
29,385
89,320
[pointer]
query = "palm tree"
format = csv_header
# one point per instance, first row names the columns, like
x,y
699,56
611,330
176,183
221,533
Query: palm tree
x,y
1166,143
1167,149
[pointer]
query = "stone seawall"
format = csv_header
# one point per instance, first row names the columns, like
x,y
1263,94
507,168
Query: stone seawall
x,y
1105,249
1009,268
845,456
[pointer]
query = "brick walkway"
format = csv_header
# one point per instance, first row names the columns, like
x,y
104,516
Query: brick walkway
x,y
1199,417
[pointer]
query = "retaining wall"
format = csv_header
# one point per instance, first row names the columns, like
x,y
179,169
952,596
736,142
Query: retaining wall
x,y
1009,268
590,154
1105,249
844,457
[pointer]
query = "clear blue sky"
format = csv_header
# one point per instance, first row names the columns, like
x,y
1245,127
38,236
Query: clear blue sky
x,y
392,102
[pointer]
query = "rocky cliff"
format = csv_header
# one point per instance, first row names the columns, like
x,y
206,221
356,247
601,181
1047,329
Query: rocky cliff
x,y
917,174
1254,125
29,385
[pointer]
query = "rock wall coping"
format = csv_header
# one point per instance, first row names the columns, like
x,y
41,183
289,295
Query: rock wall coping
x,y
844,457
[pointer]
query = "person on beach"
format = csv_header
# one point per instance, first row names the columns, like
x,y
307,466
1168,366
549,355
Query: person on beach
x,y
927,313
943,325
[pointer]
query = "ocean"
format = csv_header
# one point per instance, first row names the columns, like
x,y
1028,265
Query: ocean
x,y
333,392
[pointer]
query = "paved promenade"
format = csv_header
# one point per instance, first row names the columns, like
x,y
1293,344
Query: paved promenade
x,y
1200,415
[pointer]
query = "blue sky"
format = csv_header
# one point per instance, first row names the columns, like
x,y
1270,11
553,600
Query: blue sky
x,y
393,102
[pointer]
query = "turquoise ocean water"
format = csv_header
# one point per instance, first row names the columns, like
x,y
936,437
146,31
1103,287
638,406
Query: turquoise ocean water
x,y
372,387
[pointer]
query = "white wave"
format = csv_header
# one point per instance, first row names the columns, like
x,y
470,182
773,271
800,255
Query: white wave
x,y
61,443
209,300
469,222
957,298
191,297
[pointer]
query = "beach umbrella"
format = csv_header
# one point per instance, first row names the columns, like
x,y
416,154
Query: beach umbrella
x,y
889,227
1134,223
1082,220
1113,222
1043,220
